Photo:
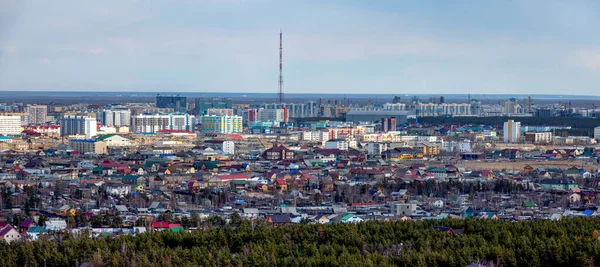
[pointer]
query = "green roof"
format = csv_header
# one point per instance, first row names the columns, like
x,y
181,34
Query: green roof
x,y
347,216
37,229
176,229
529,204
98,169
130,179
106,136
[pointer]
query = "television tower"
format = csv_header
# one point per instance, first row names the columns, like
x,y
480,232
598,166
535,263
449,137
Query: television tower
x,y
280,94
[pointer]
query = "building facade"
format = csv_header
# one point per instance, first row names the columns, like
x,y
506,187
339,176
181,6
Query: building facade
x,y
10,125
117,118
37,114
72,125
538,137
177,103
153,123
202,105
512,131
88,146
222,124
276,115
229,147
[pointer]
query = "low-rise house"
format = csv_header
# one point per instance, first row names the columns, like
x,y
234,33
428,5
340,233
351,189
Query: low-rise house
x,y
56,225
9,234
281,184
35,232
322,219
351,218
557,184
251,213
117,189
277,219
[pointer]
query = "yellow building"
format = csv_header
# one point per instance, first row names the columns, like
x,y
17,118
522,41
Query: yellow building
x,y
222,124
88,146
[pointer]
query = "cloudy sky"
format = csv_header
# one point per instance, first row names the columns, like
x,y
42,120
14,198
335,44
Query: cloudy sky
x,y
345,46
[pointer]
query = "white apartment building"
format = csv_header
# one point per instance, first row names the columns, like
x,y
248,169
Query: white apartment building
x,y
37,114
73,125
275,115
597,133
340,144
376,148
116,117
10,125
222,124
229,147
512,131
152,123
315,136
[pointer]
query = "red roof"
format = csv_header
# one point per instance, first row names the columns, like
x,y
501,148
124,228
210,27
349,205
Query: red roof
x,y
281,181
236,176
109,163
236,136
160,224
174,131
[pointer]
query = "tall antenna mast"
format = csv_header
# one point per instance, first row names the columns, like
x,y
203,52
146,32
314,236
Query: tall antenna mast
x,y
280,94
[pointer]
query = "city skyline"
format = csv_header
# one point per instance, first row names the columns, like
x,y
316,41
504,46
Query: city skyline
x,y
426,47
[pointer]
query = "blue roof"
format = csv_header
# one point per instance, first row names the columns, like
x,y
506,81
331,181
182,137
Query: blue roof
x,y
84,140
588,212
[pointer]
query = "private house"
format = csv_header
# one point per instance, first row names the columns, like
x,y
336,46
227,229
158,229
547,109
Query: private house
x,y
281,184
35,232
529,205
322,219
9,234
278,152
557,184
117,189
277,219
366,175
351,218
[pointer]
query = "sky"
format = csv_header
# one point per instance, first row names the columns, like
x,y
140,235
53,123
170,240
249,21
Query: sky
x,y
330,46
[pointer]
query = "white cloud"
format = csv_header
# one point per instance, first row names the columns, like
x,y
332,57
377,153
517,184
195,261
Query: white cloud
x,y
589,59
44,60
98,50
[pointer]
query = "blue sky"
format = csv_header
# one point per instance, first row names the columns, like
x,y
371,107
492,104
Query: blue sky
x,y
345,46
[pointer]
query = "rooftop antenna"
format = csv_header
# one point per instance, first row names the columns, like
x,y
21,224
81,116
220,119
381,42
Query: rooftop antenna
x,y
280,94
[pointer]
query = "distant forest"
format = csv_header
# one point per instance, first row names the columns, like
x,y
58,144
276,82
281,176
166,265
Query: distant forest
x,y
580,126
568,242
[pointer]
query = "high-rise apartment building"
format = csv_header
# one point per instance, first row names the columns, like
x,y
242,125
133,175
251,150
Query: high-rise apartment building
x,y
116,118
10,125
177,103
37,114
72,125
597,133
202,105
512,131
274,115
152,123
388,124
219,111
222,124
295,110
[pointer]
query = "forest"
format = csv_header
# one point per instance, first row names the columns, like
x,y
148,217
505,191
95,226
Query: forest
x,y
568,242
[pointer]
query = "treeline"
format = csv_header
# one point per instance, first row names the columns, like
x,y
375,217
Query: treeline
x,y
569,242
578,123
